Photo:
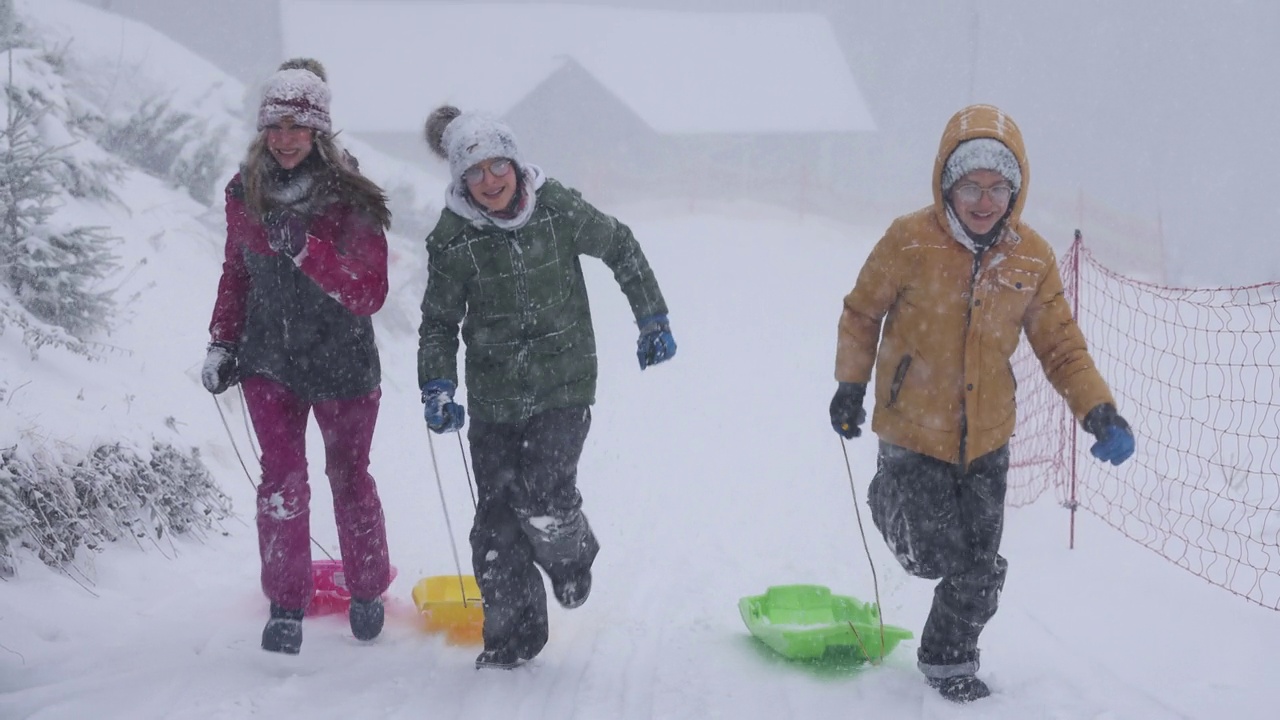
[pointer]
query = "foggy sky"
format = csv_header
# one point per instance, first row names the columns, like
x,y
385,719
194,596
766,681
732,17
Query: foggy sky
x,y
1163,110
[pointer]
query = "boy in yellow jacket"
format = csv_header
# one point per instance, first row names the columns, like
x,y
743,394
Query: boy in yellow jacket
x,y
937,310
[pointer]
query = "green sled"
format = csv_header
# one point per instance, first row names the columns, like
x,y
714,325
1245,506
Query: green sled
x,y
808,622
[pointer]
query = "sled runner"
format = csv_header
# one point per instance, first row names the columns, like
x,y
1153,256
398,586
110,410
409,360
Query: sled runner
x,y
451,604
809,622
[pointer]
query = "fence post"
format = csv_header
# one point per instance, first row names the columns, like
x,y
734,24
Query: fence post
x,y
1072,500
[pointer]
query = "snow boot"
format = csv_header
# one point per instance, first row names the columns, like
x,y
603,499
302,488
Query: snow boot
x,y
506,658
570,585
960,688
283,633
524,639
366,618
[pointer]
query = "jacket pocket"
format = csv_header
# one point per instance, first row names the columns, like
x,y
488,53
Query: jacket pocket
x,y
899,375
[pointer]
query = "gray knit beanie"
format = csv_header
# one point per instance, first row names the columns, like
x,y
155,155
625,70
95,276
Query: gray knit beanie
x,y
981,154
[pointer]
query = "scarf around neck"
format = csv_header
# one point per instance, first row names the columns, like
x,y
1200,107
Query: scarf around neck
x,y
300,189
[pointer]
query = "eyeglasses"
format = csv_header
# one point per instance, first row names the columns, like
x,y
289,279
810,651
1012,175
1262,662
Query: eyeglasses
x,y
497,168
970,193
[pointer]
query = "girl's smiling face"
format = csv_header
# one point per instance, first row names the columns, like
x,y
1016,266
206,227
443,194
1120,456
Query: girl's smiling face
x,y
288,143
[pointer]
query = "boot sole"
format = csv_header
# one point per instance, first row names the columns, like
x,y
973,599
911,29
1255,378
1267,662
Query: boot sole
x,y
481,665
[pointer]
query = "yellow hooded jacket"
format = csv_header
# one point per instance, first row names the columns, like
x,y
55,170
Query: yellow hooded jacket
x,y
944,383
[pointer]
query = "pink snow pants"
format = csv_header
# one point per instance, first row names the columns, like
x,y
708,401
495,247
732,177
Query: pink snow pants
x,y
284,497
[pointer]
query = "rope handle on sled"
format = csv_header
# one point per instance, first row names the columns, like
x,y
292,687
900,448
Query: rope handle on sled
x,y
875,582
444,507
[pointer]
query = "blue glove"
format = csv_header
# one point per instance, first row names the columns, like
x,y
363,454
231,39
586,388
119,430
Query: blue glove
x,y
442,413
286,230
847,414
1115,439
656,343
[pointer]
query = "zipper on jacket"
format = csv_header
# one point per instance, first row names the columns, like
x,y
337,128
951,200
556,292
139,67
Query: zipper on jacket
x,y
899,375
964,361
521,275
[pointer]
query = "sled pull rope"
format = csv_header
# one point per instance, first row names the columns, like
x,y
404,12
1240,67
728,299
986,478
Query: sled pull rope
x,y
470,484
875,582
444,506
248,475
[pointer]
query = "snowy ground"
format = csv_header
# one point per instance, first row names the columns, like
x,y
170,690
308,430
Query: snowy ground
x,y
707,479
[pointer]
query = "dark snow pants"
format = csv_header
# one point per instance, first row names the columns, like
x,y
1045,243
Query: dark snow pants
x,y
528,514
944,523
284,496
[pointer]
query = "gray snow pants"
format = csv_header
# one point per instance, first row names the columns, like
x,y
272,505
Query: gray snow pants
x,y
528,514
943,523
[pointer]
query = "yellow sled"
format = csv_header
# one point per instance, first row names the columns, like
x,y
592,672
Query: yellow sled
x,y
451,604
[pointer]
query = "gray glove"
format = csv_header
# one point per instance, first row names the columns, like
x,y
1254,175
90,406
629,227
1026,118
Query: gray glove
x,y
219,372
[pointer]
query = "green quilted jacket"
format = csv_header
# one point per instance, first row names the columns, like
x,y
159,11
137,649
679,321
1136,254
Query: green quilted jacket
x,y
521,301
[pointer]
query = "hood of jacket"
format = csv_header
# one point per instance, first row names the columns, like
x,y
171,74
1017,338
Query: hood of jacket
x,y
980,121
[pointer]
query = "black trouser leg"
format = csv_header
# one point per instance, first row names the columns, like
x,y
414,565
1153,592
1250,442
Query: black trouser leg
x,y
545,496
515,602
528,510
944,523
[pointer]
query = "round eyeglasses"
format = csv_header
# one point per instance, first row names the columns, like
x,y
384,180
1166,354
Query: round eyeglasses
x,y
971,193
497,168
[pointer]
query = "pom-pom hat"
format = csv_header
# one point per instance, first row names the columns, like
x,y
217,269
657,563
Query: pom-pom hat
x,y
299,93
465,139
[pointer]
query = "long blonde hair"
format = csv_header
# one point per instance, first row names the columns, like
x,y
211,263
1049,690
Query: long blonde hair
x,y
341,176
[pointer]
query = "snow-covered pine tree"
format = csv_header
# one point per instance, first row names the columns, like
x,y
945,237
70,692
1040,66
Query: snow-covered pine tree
x,y
57,500
50,269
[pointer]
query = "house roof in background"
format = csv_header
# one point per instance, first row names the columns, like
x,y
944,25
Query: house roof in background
x,y
390,63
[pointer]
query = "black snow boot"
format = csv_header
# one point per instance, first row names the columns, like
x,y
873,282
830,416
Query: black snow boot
x,y
570,585
961,688
505,658
526,639
366,618
283,633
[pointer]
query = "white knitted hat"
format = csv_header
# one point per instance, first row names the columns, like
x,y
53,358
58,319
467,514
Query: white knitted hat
x,y
296,93
467,138
981,154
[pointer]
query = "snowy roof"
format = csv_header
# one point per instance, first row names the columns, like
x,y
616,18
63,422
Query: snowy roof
x,y
390,63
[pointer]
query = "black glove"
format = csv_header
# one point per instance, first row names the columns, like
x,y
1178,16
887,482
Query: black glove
x,y
847,414
1115,438
219,372
286,230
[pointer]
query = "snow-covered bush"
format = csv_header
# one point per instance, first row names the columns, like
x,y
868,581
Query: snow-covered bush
x,y
54,506
171,144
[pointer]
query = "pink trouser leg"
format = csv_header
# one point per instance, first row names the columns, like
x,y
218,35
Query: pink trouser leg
x,y
284,519
284,495
347,428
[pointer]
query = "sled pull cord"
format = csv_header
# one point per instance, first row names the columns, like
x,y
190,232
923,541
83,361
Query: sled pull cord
x,y
875,583
444,506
